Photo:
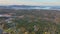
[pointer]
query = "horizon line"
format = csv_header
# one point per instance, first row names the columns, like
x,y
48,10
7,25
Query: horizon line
x,y
28,5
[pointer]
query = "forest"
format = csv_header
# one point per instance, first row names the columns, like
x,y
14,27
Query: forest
x,y
33,21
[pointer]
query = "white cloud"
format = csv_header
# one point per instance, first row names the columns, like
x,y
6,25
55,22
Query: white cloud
x,y
10,2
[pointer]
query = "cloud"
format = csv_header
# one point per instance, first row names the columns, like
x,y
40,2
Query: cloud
x,y
30,2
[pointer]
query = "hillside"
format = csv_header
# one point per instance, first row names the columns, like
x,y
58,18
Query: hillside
x,y
46,14
32,21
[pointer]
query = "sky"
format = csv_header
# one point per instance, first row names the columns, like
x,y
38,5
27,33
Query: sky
x,y
29,2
